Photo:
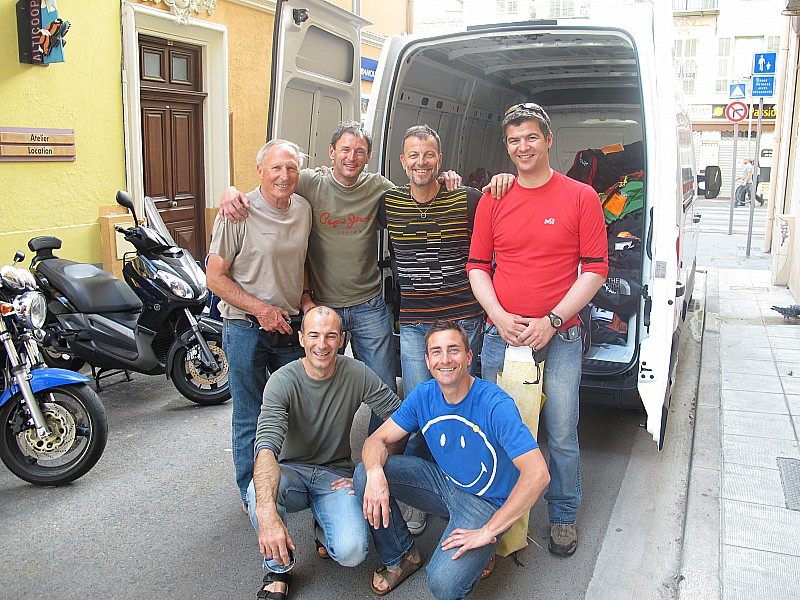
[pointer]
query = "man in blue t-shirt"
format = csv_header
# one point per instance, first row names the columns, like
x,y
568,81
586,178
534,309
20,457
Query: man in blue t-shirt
x,y
488,472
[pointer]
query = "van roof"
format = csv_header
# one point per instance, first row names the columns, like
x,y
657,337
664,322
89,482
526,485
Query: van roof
x,y
544,63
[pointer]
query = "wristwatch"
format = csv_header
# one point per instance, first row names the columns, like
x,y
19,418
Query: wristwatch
x,y
555,320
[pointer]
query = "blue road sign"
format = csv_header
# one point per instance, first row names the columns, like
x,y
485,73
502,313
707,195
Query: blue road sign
x,y
737,91
764,63
763,87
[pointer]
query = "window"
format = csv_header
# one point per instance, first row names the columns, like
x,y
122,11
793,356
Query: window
x,y
562,8
169,64
723,65
505,7
685,63
773,43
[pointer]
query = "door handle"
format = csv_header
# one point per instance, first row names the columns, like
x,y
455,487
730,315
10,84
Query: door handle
x,y
680,289
173,203
696,218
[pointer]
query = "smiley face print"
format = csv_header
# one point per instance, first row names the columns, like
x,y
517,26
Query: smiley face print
x,y
463,452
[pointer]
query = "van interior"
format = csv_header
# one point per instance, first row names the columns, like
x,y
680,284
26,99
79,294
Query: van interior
x,y
587,80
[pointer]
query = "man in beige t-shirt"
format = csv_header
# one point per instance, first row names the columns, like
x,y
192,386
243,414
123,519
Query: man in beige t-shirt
x,y
256,267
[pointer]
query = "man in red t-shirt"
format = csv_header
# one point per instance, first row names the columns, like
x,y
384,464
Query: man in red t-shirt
x,y
538,235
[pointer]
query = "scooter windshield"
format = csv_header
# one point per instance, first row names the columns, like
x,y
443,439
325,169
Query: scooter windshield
x,y
155,221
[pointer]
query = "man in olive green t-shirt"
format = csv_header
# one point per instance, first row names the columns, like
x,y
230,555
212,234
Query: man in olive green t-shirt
x,y
303,450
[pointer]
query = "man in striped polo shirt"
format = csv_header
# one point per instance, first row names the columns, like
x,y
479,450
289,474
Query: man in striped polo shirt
x,y
429,228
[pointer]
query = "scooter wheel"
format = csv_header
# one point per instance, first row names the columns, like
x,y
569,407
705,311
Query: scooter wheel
x,y
194,380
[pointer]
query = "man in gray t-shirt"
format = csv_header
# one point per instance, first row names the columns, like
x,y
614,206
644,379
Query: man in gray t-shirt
x,y
343,248
257,268
303,450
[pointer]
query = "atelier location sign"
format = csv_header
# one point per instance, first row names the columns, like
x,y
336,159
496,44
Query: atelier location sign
x,y
36,145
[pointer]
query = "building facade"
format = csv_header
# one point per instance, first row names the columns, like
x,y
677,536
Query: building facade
x,y
164,98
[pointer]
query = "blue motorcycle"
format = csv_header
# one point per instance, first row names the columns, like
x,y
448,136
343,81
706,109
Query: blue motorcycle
x,y
53,427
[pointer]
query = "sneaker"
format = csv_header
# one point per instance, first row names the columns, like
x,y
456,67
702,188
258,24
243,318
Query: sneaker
x,y
415,519
563,540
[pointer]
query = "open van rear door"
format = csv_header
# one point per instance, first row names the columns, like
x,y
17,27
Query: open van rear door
x,y
316,74
662,302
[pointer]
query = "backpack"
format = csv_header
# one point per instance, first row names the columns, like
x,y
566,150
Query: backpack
x,y
602,168
624,197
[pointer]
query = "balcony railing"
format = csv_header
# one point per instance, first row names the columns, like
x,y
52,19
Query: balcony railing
x,y
694,5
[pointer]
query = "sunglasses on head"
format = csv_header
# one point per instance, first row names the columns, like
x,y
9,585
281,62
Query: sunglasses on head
x,y
529,106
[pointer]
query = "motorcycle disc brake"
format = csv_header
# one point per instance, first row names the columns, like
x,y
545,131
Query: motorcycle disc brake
x,y
200,375
62,434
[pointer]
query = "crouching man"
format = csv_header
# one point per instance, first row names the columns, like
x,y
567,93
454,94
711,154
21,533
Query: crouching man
x,y
488,472
303,451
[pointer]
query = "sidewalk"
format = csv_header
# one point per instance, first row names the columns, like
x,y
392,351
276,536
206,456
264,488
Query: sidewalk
x,y
742,529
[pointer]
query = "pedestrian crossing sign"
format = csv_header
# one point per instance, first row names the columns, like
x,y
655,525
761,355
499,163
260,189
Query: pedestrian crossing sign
x,y
737,91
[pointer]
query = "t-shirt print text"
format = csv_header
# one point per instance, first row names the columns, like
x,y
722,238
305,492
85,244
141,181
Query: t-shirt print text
x,y
345,225
550,221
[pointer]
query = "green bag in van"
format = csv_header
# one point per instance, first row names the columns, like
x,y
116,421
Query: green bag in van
x,y
624,197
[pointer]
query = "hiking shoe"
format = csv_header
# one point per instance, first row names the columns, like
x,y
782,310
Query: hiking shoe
x,y
415,519
563,540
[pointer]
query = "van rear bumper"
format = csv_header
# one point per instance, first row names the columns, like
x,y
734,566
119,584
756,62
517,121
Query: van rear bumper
x,y
617,391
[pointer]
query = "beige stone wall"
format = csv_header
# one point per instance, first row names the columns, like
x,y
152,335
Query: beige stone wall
x,y
249,61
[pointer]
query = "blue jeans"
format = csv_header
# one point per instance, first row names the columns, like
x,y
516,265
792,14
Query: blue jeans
x,y
338,512
415,371
412,350
371,329
250,360
562,378
424,485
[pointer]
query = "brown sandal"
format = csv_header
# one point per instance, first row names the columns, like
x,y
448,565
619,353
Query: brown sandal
x,y
489,568
322,551
406,568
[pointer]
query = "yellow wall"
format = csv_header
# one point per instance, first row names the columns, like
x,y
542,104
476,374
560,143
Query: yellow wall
x,y
83,93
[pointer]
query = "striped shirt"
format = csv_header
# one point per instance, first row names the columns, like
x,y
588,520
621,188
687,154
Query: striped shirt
x,y
430,249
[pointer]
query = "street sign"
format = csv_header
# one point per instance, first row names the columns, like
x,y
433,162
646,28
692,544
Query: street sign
x,y
763,87
764,63
737,91
736,112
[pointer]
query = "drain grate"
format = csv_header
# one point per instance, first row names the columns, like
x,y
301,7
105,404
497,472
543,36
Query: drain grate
x,y
790,478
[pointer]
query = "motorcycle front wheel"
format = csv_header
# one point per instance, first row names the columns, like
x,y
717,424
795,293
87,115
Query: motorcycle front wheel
x,y
194,380
78,428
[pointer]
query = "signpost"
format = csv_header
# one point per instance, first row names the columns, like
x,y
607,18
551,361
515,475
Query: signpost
x,y
763,86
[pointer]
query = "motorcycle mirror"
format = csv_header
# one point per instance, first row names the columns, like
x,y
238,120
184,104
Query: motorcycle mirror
x,y
124,199
19,256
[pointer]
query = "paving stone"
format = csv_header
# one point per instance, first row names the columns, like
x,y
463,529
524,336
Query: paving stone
x,y
757,452
752,484
751,574
741,400
760,425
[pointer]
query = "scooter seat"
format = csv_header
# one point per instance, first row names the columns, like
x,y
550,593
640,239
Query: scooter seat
x,y
91,290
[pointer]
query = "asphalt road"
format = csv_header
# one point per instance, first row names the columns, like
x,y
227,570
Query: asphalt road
x,y
159,516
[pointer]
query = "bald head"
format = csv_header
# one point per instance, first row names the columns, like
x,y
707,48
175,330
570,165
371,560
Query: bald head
x,y
320,314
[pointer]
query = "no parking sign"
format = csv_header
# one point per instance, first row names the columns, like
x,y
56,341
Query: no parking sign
x,y
736,112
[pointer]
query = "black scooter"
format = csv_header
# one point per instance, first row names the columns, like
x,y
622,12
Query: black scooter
x,y
151,325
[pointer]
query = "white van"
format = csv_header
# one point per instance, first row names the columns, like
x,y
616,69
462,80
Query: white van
x,y
602,84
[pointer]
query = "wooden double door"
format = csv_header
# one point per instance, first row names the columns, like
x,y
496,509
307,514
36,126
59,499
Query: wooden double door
x,y
172,138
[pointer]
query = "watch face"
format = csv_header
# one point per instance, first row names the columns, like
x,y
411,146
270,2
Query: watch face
x,y
555,320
